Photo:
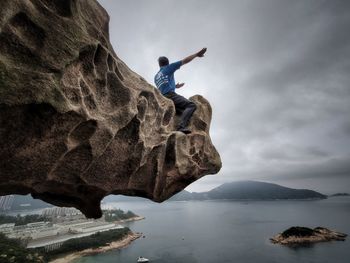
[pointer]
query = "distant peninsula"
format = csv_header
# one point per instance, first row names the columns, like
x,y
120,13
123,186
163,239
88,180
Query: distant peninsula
x,y
249,190
297,235
339,194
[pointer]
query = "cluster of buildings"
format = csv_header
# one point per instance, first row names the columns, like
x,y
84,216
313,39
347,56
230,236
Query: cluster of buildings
x,y
63,224
6,202
62,214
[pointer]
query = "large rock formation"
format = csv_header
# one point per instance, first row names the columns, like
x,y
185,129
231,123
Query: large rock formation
x,y
76,124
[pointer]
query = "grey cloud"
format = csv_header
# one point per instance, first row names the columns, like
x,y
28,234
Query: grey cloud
x,y
333,167
291,153
276,74
346,128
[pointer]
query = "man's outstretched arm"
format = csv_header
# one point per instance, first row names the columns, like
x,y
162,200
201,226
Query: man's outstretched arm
x,y
190,58
179,85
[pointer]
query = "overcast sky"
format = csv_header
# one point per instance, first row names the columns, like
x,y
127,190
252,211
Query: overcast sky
x,y
277,74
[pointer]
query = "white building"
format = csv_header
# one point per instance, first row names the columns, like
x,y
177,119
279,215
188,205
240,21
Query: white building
x,y
60,211
6,202
52,235
31,231
7,228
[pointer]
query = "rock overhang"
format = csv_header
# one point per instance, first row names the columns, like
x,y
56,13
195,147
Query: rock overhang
x,y
76,124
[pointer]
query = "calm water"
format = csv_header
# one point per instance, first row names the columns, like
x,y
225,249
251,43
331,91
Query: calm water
x,y
231,231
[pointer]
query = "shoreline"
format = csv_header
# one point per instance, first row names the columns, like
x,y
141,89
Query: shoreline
x,y
131,219
124,242
246,200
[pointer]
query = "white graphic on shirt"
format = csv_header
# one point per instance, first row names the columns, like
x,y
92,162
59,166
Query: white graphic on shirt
x,y
161,79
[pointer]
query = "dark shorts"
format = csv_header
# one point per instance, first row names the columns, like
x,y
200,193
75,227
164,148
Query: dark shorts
x,y
184,107
180,102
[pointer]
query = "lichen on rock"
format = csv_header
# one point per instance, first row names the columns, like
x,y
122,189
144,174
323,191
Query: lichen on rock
x,y
76,124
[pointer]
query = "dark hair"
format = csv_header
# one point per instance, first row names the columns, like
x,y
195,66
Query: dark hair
x,y
163,61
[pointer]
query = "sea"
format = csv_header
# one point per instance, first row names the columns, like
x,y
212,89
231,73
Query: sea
x,y
230,231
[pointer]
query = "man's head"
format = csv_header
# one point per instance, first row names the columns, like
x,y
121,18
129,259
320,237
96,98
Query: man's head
x,y
163,61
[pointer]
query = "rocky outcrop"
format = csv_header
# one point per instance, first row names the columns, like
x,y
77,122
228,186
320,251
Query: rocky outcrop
x,y
76,124
297,235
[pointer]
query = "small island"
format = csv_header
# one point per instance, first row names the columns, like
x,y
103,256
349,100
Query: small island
x,y
297,235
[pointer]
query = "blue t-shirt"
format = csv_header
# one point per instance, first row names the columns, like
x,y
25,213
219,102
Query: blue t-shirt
x,y
164,79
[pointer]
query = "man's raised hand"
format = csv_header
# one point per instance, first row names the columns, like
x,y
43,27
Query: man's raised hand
x,y
202,52
179,85
190,58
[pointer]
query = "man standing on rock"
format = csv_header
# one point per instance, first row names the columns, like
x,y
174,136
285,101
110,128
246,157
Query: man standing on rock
x,y
165,82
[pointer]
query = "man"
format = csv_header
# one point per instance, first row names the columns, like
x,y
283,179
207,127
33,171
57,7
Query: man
x,y
165,82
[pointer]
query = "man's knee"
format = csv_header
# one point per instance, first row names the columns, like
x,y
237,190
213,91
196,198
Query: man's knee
x,y
192,105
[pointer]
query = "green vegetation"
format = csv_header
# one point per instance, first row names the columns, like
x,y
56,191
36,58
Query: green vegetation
x,y
22,220
12,250
93,241
298,231
117,214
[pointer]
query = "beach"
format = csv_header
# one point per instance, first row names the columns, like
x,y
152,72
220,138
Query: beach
x,y
67,258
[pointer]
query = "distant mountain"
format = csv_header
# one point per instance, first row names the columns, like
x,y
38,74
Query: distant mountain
x,y
249,190
340,194
183,196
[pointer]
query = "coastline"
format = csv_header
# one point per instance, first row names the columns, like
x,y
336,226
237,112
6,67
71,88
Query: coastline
x,y
67,258
131,219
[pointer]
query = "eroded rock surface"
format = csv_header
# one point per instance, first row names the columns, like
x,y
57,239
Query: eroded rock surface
x,y
76,124
296,236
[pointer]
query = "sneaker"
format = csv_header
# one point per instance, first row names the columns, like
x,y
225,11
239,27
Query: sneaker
x,y
184,130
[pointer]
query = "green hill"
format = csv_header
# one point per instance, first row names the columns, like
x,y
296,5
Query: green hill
x,y
250,190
